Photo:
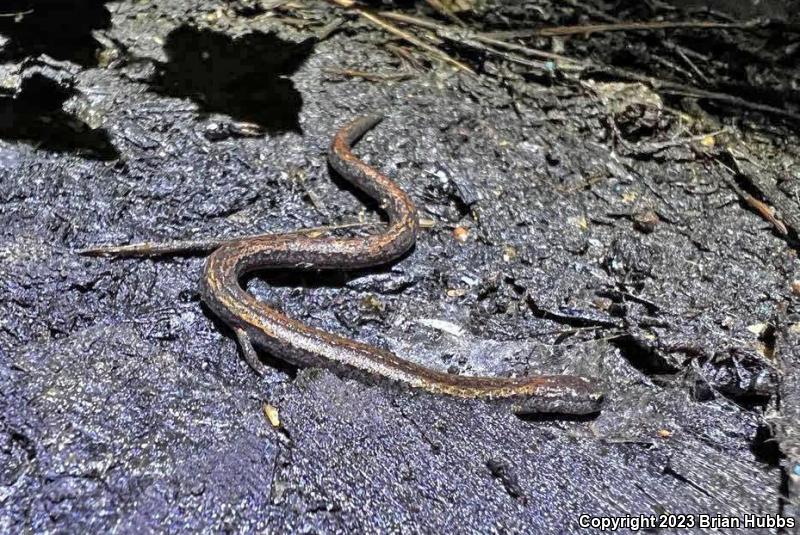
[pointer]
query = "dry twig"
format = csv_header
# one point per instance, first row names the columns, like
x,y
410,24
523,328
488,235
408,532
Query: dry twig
x,y
445,11
371,76
391,28
639,26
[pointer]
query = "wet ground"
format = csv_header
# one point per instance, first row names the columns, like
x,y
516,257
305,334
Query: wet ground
x,y
572,223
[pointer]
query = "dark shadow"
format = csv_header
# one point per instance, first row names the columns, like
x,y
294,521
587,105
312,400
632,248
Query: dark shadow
x,y
62,29
35,115
556,417
766,447
244,77
641,356
285,278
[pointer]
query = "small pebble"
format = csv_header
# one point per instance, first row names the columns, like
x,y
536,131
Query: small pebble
x,y
645,221
271,414
461,234
796,287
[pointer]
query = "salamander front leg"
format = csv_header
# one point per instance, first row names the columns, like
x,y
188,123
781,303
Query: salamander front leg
x,y
249,353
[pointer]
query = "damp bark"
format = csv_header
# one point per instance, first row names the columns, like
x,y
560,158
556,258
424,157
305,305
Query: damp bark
x,y
588,226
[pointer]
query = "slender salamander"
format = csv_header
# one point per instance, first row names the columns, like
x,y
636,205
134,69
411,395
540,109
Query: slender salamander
x,y
256,324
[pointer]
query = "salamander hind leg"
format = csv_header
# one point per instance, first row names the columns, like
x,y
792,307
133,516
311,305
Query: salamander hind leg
x,y
249,352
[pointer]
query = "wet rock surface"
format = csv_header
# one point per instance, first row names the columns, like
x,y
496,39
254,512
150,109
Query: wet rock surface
x,y
556,240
